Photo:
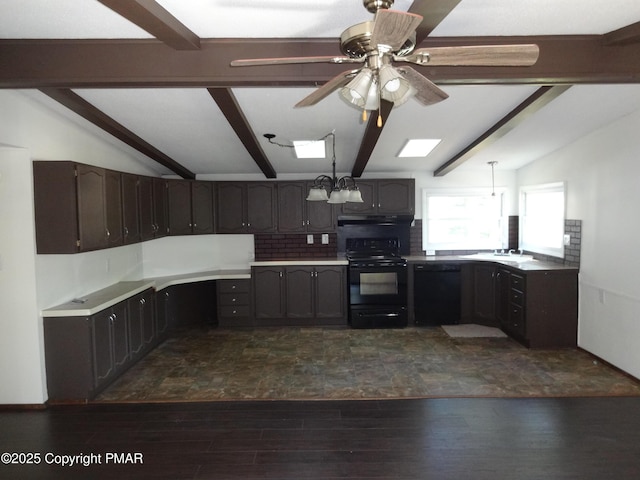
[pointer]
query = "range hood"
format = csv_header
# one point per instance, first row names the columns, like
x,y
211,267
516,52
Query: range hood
x,y
374,220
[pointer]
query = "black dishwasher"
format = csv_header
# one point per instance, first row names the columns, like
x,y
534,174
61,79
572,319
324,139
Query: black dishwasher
x,y
437,293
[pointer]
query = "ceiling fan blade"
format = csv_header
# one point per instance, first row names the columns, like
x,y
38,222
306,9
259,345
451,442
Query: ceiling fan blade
x,y
476,55
287,60
393,28
427,92
433,12
326,89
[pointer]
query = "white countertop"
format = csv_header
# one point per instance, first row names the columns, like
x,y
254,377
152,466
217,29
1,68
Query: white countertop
x,y
97,301
530,266
302,261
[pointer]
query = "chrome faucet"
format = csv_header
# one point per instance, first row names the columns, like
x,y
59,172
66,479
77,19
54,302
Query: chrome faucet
x,y
512,251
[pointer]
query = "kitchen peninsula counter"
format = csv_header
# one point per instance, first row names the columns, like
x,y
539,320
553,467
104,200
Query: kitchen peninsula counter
x,y
99,300
529,266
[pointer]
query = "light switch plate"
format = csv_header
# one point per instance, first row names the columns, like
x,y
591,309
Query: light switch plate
x,y
325,239
310,239
567,239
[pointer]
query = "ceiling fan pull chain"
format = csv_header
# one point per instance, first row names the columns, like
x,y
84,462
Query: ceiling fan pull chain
x,y
364,115
379,119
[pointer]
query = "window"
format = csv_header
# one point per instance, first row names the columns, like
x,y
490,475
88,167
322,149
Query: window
x,y
463,220
542,218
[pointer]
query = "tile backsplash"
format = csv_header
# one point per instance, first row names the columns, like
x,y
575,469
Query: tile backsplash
x,y
282,246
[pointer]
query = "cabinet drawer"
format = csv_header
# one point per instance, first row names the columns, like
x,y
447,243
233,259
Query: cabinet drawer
x,y
517,282
517,298
234,311
230,299
231,286
517,319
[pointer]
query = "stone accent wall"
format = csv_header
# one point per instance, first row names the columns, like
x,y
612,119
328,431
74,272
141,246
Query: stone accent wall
x,y
283,246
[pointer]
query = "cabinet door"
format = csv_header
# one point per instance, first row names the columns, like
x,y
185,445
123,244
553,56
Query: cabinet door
x,y
147,205
103,364
299,292
113,191
396,196
230,205
330,289
321,216
92,221
291,207
120,332
268,292
484,294
368,191
56,206
147,314
261,207
503,297
160,207
136,344
130,209
202,207
179,207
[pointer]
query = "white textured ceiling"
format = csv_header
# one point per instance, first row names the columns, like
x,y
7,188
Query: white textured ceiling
x,y
187,125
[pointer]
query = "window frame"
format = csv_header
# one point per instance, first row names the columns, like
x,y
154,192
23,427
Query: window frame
x,y
524,244
502,234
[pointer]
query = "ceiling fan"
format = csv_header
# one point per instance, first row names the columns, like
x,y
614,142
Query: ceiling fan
x,y
391,37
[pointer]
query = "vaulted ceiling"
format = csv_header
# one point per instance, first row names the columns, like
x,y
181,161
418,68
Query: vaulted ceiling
x,y
156,76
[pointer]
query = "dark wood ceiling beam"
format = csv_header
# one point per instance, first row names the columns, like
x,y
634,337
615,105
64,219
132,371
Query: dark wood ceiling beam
x,y
526,109
371,135
153,18
149,63
433,12
623,36
227,103
86,110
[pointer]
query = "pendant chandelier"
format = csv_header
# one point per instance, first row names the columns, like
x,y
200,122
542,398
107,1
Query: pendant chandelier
x,y
340,190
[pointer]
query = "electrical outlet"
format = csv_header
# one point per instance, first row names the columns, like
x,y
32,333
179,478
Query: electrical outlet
x,y
431,252
566,239
310,239
325,239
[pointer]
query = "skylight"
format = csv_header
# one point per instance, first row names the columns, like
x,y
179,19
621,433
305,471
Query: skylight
x,y
418,147
309,148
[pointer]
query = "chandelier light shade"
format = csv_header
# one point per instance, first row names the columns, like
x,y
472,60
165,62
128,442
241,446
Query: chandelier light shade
x,y
343,189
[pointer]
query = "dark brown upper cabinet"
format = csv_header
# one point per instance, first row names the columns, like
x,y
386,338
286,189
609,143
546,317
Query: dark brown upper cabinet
x,y
113,193
296,215
386,197
202,207
130,209
70,207
245,207
190,207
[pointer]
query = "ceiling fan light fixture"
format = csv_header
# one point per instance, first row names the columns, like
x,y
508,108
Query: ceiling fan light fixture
x,y
356,92
393,86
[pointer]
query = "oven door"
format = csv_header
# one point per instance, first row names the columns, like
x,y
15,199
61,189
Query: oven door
x,y
378,285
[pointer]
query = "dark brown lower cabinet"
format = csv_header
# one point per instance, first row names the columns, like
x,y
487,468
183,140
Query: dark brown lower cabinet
x,y
539,308
299,295
142,328
234,302
84,355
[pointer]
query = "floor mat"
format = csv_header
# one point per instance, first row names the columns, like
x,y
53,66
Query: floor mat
x,y
471,330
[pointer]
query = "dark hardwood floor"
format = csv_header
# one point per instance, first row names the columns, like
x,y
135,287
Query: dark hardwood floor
x,y
456,438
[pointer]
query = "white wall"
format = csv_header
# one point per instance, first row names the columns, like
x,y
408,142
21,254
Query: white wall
x,y
21,361
602,171
198,253
30,282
